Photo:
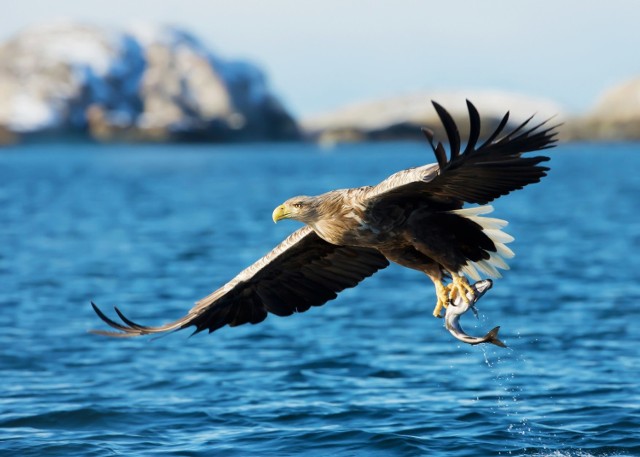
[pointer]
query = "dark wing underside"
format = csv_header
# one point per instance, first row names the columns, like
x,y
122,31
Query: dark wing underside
x,y
479,173
301,272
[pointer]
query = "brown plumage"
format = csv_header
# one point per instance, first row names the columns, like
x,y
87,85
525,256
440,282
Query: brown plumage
x,y
414,218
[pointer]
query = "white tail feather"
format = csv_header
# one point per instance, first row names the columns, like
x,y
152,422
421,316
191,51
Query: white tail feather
x,y
492,228
498,261
504,251
499,236
469,269
475,211
489,222
488,269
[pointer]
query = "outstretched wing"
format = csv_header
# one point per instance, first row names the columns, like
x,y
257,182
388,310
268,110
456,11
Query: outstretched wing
x,y
301,272
480,173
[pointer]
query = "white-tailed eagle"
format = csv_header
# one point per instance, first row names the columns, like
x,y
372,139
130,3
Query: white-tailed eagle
x,y
414,217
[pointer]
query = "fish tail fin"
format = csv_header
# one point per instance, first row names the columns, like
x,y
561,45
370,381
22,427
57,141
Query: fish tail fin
x,y
492,337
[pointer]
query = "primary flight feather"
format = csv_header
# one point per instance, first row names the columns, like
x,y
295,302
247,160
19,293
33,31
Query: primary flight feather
x,y
414,218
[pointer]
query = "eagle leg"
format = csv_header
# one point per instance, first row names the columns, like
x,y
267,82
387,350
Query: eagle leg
x,y
442,296
459,287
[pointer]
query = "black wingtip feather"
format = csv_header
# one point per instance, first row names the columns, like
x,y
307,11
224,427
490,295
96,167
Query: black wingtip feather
x,y
497,131
127,321
104,317
429,134
439,152
510,135
451,128
483,173
441,155
474,127
110,323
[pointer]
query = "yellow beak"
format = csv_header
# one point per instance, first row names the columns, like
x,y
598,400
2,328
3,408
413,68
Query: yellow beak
x,y
281,212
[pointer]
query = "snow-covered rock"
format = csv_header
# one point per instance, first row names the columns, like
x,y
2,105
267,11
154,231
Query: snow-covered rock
x,y
402,116
146,83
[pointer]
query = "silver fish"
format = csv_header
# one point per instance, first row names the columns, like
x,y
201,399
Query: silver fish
x,y
458,307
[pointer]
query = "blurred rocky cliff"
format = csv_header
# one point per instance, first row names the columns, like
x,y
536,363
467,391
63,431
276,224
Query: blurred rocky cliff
x,y
615,116
159,83
143,84
402,117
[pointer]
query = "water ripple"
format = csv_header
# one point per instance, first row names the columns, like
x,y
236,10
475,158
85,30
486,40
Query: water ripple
x,y
368,374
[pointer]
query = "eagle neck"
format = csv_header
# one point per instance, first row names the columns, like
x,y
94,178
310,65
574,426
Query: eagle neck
x,y
338,214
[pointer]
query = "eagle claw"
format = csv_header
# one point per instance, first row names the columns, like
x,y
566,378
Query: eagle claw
x,y
443,299
459,287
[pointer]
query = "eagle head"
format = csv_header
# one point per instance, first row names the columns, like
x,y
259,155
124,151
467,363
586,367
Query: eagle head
x,y
301,208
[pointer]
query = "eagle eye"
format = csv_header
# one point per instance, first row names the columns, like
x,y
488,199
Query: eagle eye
x,y
298,205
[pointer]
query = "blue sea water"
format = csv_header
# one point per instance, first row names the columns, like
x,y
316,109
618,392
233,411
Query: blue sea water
x,y
154,228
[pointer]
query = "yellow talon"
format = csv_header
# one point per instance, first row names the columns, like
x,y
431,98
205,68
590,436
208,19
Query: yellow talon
x,y
443,299
459,287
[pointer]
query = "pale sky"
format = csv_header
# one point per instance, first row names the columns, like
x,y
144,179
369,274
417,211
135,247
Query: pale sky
x,y
320,55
